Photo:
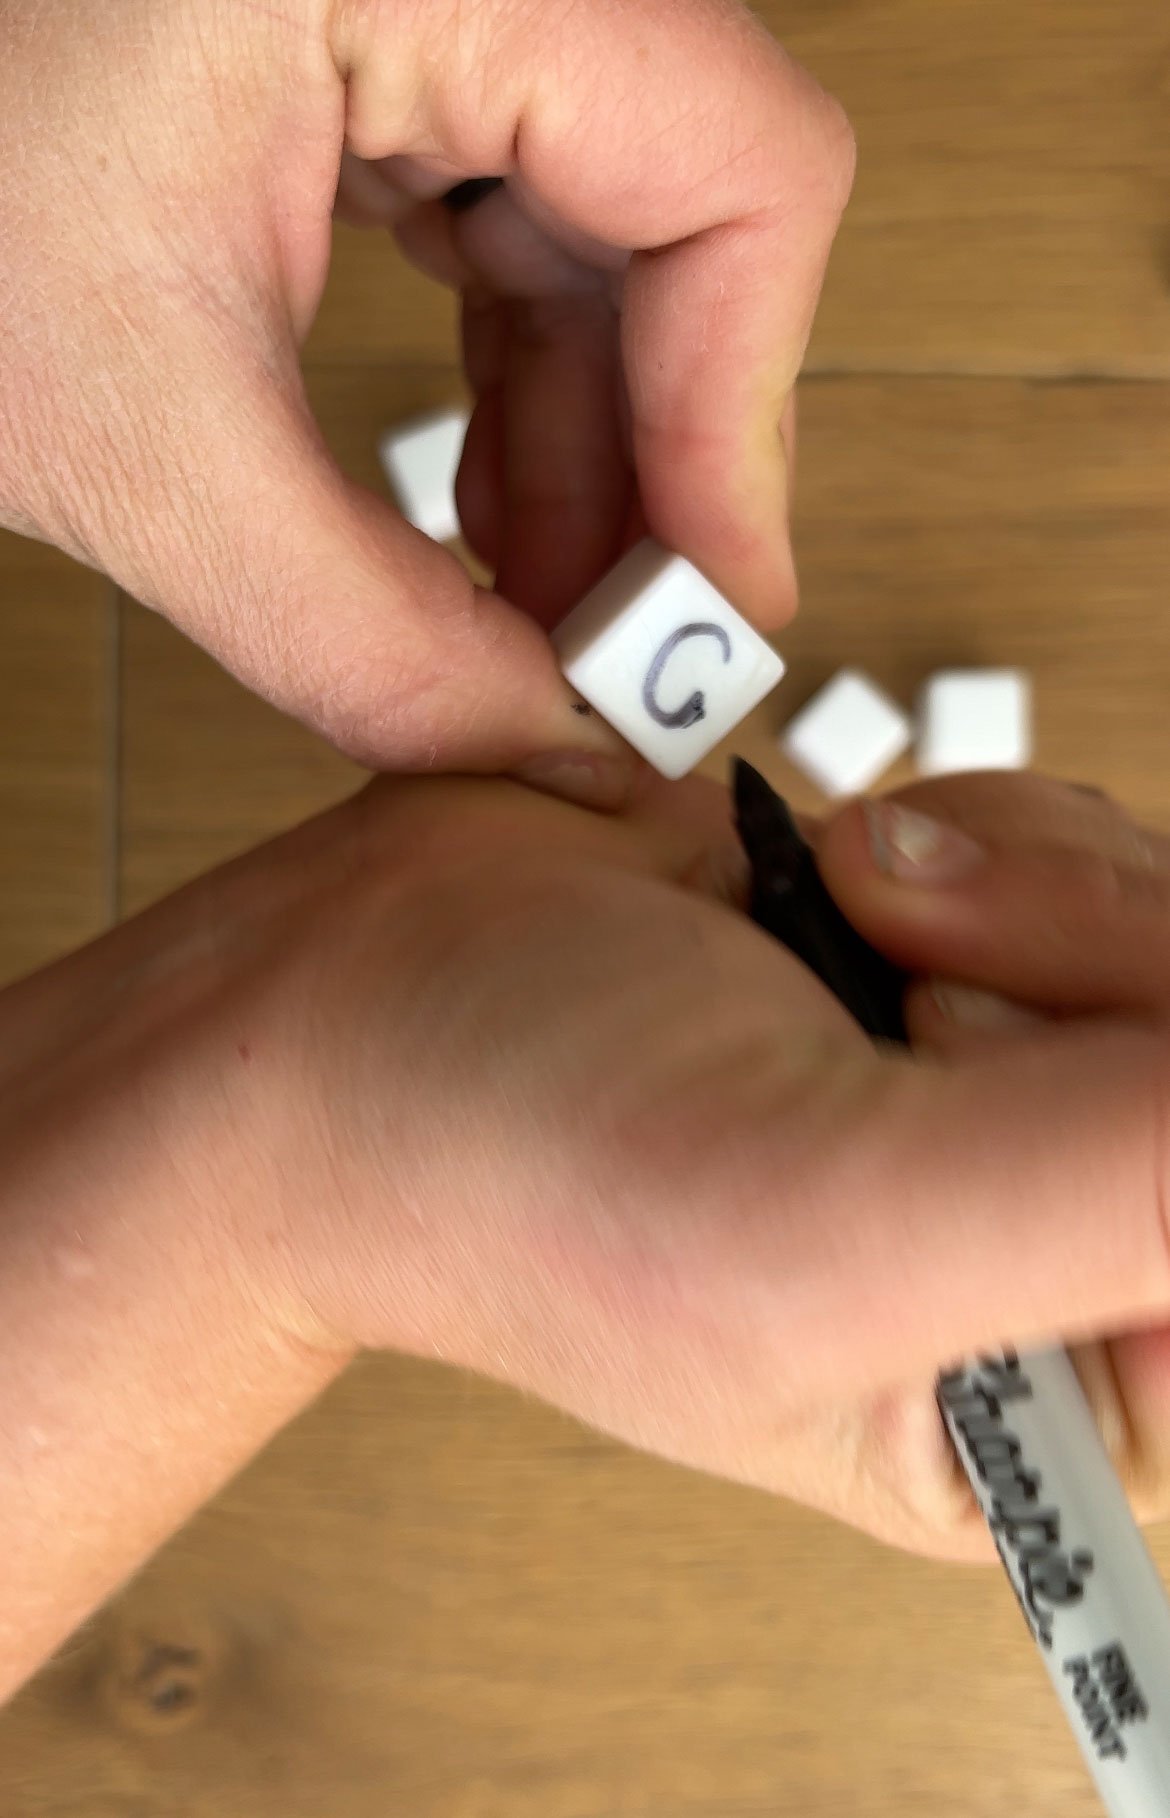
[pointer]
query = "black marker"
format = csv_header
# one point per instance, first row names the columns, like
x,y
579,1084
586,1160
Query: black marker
x,y
465,195
1086,1585
789,901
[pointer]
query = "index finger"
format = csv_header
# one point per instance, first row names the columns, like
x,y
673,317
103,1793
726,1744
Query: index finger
x,y
677,129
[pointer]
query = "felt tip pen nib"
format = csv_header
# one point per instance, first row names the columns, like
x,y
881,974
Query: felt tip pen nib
x,y
749,788
763,819
789,900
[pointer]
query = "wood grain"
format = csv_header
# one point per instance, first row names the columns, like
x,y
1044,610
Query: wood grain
x,y
1011,209
56,737
429,1598
951,522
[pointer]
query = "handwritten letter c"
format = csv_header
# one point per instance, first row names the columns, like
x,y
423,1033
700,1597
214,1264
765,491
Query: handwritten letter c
x,y
694,708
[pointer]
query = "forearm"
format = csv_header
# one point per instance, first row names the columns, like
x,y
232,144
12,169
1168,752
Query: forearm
x,y
144,1352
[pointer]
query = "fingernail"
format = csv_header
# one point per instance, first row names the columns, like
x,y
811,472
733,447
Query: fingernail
x,y
917,849
582,777
982,1012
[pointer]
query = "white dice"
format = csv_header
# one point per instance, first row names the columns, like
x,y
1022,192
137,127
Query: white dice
x,y
662,656
975,719
847,735
421,460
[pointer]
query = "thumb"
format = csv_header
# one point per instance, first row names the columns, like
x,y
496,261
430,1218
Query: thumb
x,y
1067,913
317,595
1024,1190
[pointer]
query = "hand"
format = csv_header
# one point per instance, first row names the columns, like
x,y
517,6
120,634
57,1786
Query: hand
x,y
642,293
1047,933
562,1120
458,1069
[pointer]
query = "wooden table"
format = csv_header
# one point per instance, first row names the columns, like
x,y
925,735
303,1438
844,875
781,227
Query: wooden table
x,y
427,1599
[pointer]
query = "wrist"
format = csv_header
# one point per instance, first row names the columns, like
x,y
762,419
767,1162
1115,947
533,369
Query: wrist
x,y
148,1342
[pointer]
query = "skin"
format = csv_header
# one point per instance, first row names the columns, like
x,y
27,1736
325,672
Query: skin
x,y
636,307
686,1201
462,1071
1061,932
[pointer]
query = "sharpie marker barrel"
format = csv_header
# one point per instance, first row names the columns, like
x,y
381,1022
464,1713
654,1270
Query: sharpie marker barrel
x,y
1087,1587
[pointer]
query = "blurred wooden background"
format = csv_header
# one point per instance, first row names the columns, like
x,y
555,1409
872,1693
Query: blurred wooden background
x,y
426,1599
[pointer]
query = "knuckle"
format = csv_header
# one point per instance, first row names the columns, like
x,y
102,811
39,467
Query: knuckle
x,y
839,149
1089,885
1115,888
377,705
906,1485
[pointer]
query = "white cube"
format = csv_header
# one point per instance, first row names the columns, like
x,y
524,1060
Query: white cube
x,y
847,735
975,719
421,459
662,656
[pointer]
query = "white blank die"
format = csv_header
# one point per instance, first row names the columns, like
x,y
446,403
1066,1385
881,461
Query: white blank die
x,y
975,719
847,735
662,656
421,459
